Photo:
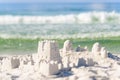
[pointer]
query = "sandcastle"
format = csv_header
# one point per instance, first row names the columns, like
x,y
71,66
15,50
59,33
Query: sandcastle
x,y
50,60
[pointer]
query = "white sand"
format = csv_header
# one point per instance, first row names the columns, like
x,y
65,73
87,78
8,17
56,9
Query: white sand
x,y
76,65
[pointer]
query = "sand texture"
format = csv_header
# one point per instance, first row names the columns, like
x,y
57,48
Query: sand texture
x,y
52,63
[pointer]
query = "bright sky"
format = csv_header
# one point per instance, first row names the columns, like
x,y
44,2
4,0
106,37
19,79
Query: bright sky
x,y
8,1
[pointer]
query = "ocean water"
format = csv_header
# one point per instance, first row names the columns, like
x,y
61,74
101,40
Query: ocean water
x,y
51,20
58,20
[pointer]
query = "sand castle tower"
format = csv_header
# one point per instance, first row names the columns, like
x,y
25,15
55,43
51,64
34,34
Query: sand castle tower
x,y
49,57
103,53
96,48
67,46
48,50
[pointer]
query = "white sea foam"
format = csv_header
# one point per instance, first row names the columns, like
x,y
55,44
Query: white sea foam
x,y
61,26
88,17
60,36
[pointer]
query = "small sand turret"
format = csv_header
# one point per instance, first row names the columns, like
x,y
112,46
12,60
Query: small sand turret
x,y
103,52
67,46
96,48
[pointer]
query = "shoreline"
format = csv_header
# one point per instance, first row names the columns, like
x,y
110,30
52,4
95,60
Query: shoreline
x,y
27,46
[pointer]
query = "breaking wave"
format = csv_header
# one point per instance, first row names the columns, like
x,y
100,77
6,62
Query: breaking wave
x,y
81,18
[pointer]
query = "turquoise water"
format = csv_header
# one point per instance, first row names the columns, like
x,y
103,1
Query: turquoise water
x,y
55,8
51,20
57,21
